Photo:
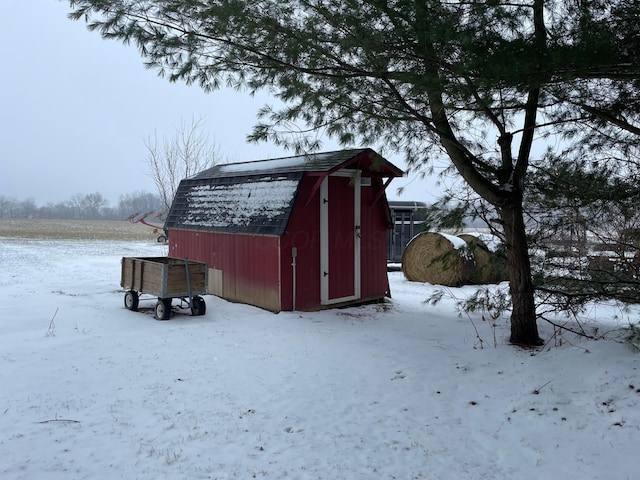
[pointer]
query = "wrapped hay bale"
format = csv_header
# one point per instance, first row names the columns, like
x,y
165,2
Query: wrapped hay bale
x,y
437,258
491,267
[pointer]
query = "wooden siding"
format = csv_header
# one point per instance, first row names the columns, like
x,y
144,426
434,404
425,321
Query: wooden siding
x,y
303,233
249,263
374,221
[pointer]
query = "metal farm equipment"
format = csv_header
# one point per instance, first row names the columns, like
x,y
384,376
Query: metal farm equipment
x,y
146,218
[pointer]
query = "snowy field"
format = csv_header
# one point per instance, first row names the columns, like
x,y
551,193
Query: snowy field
x,y
90,390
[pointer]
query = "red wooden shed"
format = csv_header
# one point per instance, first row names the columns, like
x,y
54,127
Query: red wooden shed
x,y
294,233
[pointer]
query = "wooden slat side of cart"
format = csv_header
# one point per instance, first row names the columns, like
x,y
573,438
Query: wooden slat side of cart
x,y
165,278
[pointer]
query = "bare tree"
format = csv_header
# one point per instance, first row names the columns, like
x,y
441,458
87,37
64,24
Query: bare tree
x,y
139,202
77,203
7,206
88,206
170,160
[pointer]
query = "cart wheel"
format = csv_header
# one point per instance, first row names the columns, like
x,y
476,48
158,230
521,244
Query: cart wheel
x,y
163,309
161,239
131,300
199,306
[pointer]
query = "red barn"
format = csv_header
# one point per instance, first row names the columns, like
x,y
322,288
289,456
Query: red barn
x,y
295,233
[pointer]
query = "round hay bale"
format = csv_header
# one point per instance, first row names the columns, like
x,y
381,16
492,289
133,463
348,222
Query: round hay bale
x,y
601,268
491,267
438,259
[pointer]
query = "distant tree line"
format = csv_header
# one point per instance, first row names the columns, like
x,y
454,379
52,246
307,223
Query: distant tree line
x,y
92,206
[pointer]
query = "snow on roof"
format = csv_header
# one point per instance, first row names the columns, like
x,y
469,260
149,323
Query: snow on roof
x,y
259,205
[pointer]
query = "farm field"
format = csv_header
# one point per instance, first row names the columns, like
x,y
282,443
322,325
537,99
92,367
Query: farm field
x,y
402,390
75,229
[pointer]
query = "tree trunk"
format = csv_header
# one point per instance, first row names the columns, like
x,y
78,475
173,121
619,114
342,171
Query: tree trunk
x,y
524,329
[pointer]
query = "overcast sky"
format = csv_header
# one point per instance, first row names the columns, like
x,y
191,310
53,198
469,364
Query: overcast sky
x,y
76,110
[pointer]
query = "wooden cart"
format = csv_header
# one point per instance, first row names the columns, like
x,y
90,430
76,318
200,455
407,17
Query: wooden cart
x,y
166,278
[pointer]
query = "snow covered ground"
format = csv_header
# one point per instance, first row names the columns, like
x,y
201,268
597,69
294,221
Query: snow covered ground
x,y
90,390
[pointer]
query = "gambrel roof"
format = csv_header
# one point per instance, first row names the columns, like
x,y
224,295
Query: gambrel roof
x,y
258,197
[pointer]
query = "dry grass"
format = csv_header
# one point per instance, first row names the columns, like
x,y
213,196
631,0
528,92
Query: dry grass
x,y
76,229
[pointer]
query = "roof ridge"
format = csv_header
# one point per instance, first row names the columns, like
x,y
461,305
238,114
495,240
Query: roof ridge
x,y
362,149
